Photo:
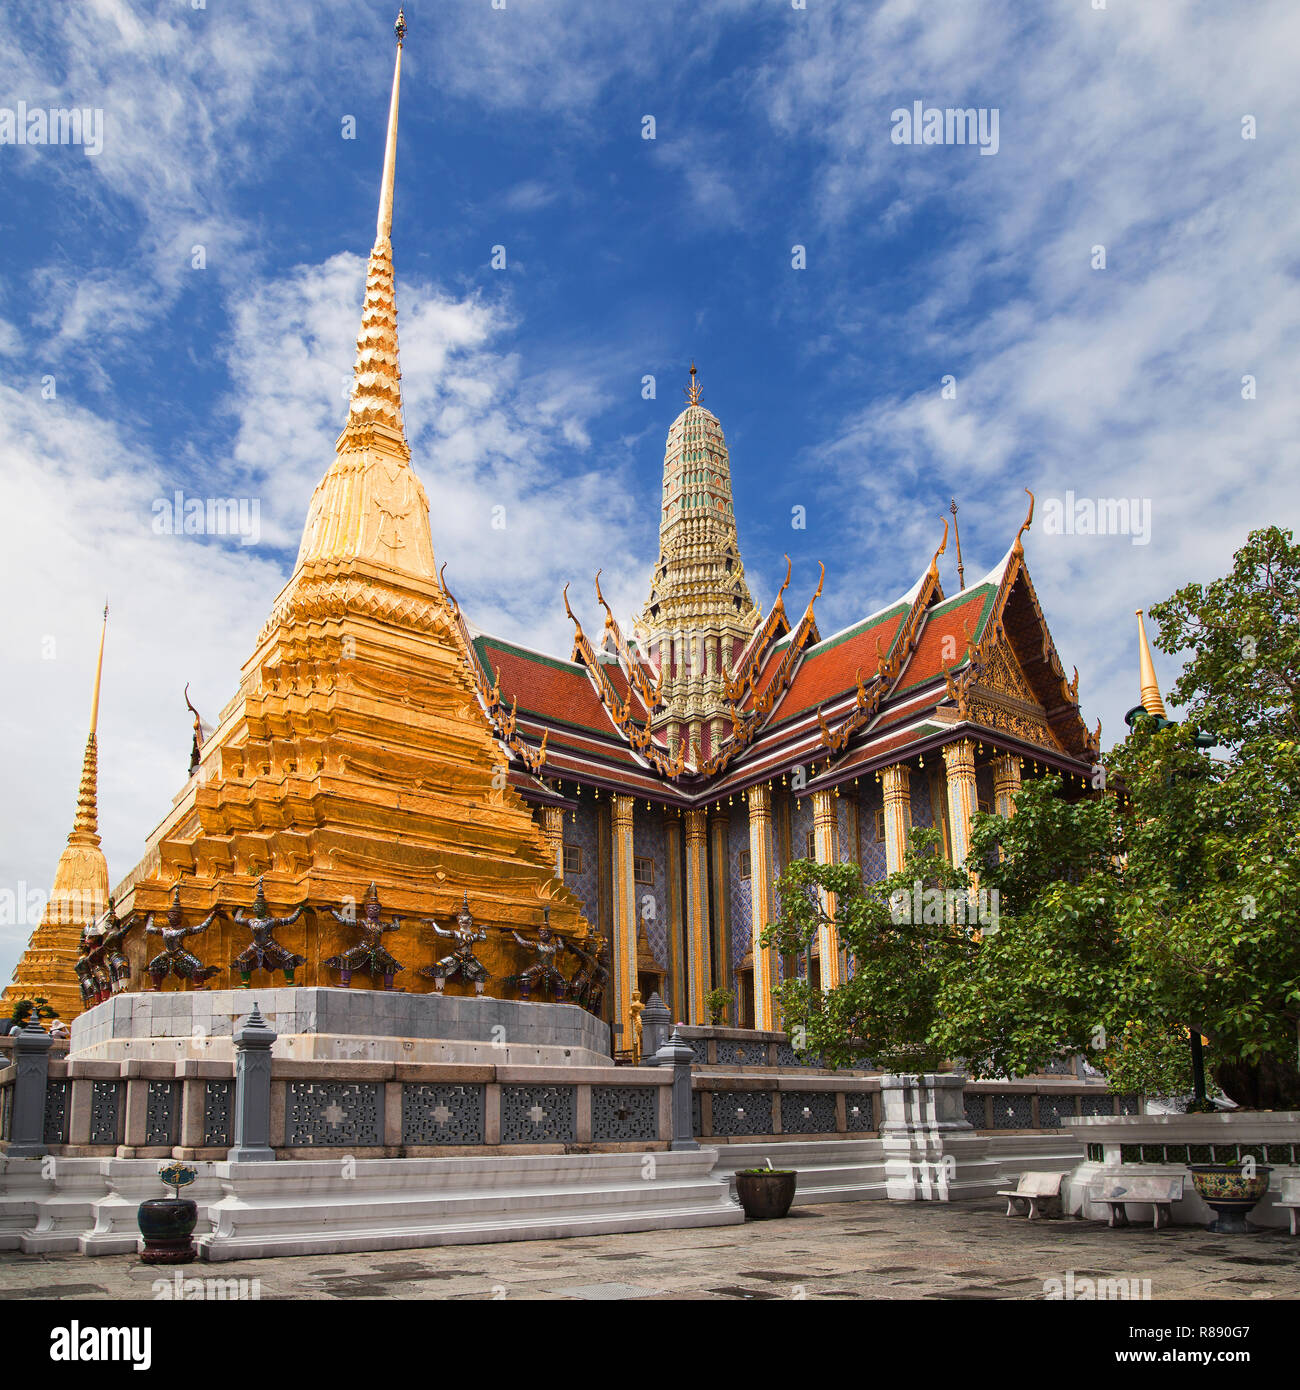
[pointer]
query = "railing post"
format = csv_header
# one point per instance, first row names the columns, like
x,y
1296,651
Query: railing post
x,y
32,1060
656,1024
253,1090
678,1054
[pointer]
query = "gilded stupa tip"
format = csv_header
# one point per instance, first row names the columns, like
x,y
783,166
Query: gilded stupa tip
x,y
1151,701
85,825
376,385
694,390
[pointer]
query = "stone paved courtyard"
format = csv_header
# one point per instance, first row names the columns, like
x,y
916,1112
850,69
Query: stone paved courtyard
x,y
847,1250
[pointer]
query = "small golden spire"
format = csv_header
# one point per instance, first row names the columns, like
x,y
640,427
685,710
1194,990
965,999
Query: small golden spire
x,y
1151,701
694,389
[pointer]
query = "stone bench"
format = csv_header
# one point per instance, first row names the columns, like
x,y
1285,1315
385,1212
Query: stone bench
x,y
1116,1191
1035,1191
1290,1199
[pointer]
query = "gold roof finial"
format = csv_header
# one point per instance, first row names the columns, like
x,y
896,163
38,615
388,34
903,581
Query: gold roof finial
x,y
1151,701
956,535
694,389
384,226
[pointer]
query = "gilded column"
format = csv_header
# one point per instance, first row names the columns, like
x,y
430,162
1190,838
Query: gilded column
x,y
697,915
826,839
720,897
624,913
676,915
553,829
1006,783
762,895
897,785
959,759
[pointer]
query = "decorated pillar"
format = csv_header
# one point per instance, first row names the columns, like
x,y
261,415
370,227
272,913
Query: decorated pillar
x,y
897,784
720,895
826,834
762,896
697,916
1006,783
553,829
624,896
959,759
676,917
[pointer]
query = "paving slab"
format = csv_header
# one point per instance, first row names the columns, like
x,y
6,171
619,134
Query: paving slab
x,y
891,1251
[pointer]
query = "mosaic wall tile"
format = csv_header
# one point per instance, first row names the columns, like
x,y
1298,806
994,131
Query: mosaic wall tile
x,y
741,888
652,899
585,885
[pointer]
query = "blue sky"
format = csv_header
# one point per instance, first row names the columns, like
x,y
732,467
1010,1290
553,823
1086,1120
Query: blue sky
x,y
1119,127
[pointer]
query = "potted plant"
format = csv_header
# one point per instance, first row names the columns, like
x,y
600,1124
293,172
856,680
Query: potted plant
x,y
167,1223
765,1193
718,1001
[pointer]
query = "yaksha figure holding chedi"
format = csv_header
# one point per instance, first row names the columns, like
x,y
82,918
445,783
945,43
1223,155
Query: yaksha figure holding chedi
x,y
369,954
461,961
544,971
103,969
174,959
588,985
264,952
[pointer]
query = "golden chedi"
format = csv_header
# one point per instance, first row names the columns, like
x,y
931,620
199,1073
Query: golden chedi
x,y
78,896
357,749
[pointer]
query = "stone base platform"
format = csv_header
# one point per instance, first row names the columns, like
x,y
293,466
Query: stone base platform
x,y
330,1206
332,1024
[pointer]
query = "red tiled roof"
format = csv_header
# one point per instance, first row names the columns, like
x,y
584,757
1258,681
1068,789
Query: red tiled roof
x,y
831,668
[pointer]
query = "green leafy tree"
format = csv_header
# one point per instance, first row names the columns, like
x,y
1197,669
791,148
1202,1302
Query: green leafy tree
x,y
1213,841
901,934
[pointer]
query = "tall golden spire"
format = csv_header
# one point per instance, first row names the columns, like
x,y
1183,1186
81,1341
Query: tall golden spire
x,y
79,892
1151,701
694,390
370,505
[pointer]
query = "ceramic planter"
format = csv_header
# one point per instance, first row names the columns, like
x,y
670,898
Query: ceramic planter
x,y
1229,1192
167,1225
764,1193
